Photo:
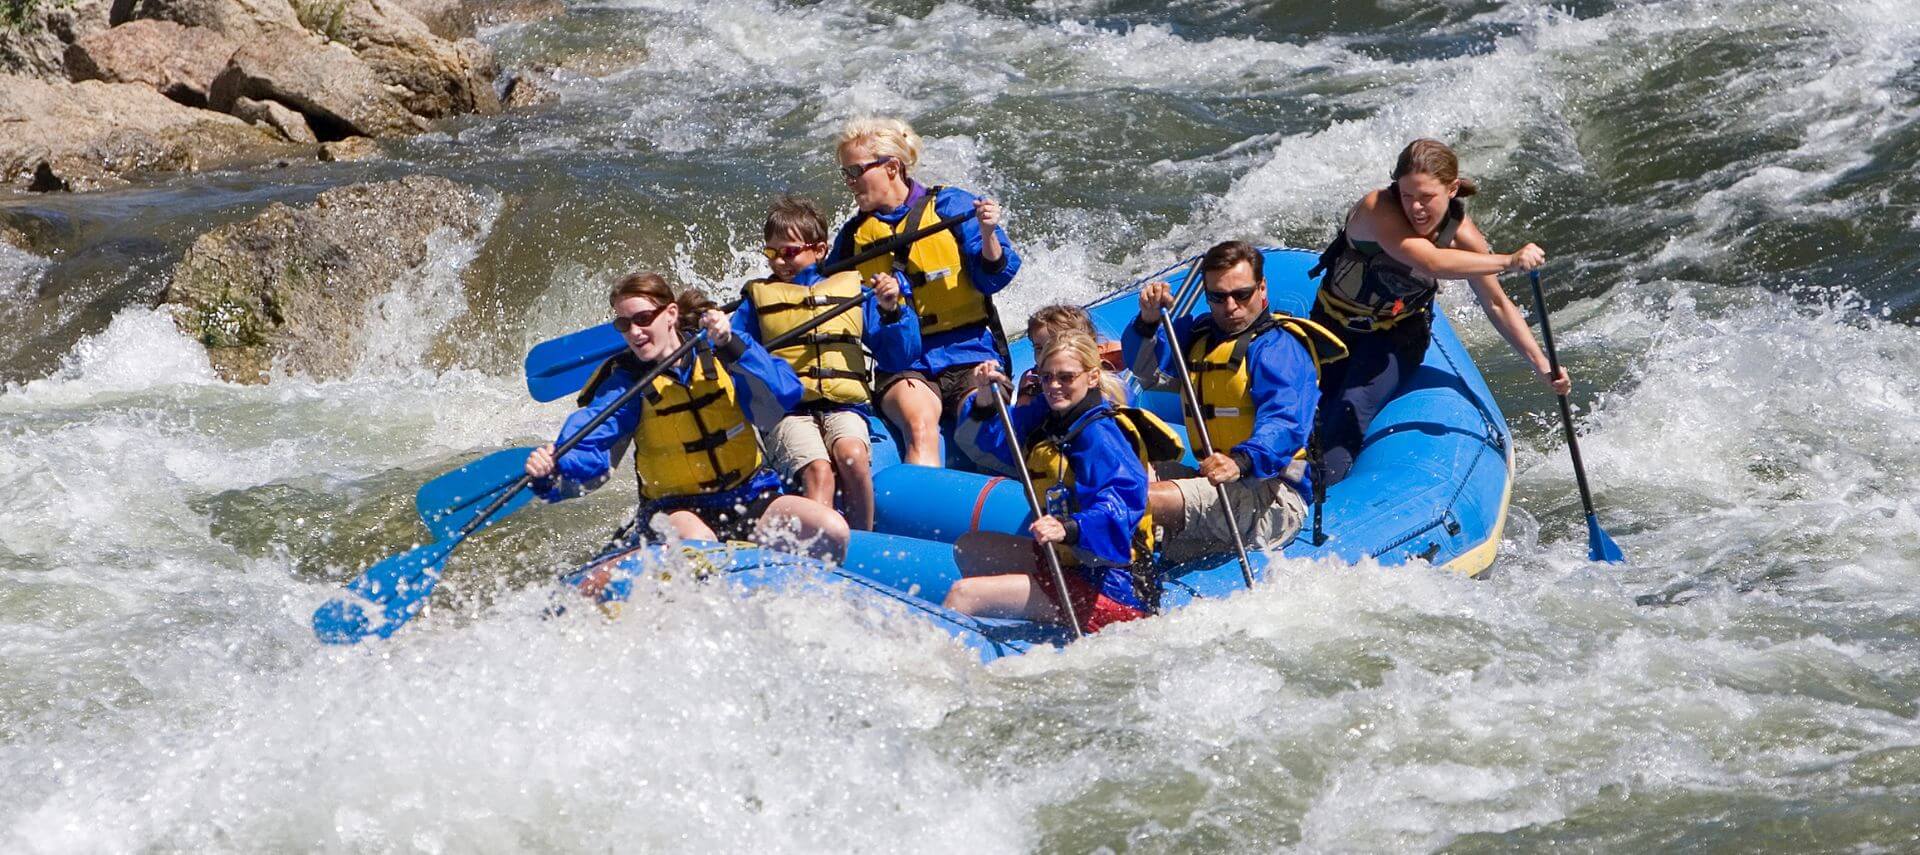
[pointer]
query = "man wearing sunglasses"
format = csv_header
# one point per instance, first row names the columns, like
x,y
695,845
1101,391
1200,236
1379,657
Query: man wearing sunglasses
x,y
1256,374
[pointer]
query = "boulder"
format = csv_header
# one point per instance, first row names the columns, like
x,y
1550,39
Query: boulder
x,y
339,95
441,78
78,136
34,40
351,148
448,19
291,287
240,20
180,62
289,123
524,91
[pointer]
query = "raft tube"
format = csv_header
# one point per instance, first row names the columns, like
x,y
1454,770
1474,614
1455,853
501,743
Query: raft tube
x,y
1432,484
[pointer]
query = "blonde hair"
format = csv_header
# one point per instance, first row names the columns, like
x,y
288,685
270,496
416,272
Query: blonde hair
x,y
884,136
1081,346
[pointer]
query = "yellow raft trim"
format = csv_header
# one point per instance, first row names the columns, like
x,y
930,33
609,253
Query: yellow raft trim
x,y
1475,561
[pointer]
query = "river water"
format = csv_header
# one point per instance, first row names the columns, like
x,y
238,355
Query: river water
x,y
1726,195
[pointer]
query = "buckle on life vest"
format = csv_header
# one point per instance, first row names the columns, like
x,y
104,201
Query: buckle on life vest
x,y
1358,323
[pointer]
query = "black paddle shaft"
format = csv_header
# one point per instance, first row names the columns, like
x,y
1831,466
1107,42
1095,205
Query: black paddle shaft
x,y
598,420
877,249
1566,410
1033,502
1206,443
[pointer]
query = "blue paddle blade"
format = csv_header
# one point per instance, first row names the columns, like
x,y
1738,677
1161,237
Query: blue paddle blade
x,y
559,367
1600,547
448,503
383,598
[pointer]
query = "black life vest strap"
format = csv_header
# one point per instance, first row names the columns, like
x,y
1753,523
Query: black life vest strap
x,y
694,403
822,373
818,338
708,442
811,301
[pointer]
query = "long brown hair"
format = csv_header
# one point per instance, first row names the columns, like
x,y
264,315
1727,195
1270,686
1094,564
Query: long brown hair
x,y
1433,157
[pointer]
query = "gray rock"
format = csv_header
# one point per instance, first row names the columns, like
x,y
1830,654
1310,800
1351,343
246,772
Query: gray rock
x,y
290,288
78,136
339,95
241,20
37,45
277,116
180,62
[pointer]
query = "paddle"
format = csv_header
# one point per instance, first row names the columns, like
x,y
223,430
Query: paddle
x,y
1206,443
395,588
559,367
1033,503
447,503
1600,547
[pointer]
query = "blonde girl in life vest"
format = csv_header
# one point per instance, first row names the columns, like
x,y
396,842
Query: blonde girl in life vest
x,y
950,276
1088,466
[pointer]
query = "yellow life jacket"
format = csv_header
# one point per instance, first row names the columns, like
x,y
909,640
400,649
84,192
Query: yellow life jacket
x,y
831,364
1225,387
692,438
1371,291
934,267
1048,465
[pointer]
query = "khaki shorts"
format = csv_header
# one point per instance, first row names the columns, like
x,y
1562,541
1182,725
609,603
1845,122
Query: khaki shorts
x,y
1270,513
801,439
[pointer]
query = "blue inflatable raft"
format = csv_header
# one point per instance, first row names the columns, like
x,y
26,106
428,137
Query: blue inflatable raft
x,y
1432,483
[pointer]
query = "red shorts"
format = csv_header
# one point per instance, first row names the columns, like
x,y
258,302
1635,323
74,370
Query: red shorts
x,y
1094,609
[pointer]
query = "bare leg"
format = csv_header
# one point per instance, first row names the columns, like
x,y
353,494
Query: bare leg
x,y
816,481
689,526
853,461
1006,595
914,407
1166,504
805,524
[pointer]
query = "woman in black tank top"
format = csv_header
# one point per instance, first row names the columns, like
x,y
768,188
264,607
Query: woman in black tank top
x,y
1377,287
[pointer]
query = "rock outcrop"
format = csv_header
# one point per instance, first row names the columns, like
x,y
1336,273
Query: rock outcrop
x,y
240,20
273,114
180,62
290,288
33,41
299,72
441,77
81,136
340,95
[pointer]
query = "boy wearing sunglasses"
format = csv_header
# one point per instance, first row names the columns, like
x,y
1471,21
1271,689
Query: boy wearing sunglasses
x,y
1256,374
822,443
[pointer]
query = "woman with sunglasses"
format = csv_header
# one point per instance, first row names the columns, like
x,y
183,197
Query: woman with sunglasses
x,y
695,453
949,276
823,443
1088,466
1380,278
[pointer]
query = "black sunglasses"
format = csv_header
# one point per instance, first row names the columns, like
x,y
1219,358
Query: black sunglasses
x,y
853,171
624,323
1239,295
